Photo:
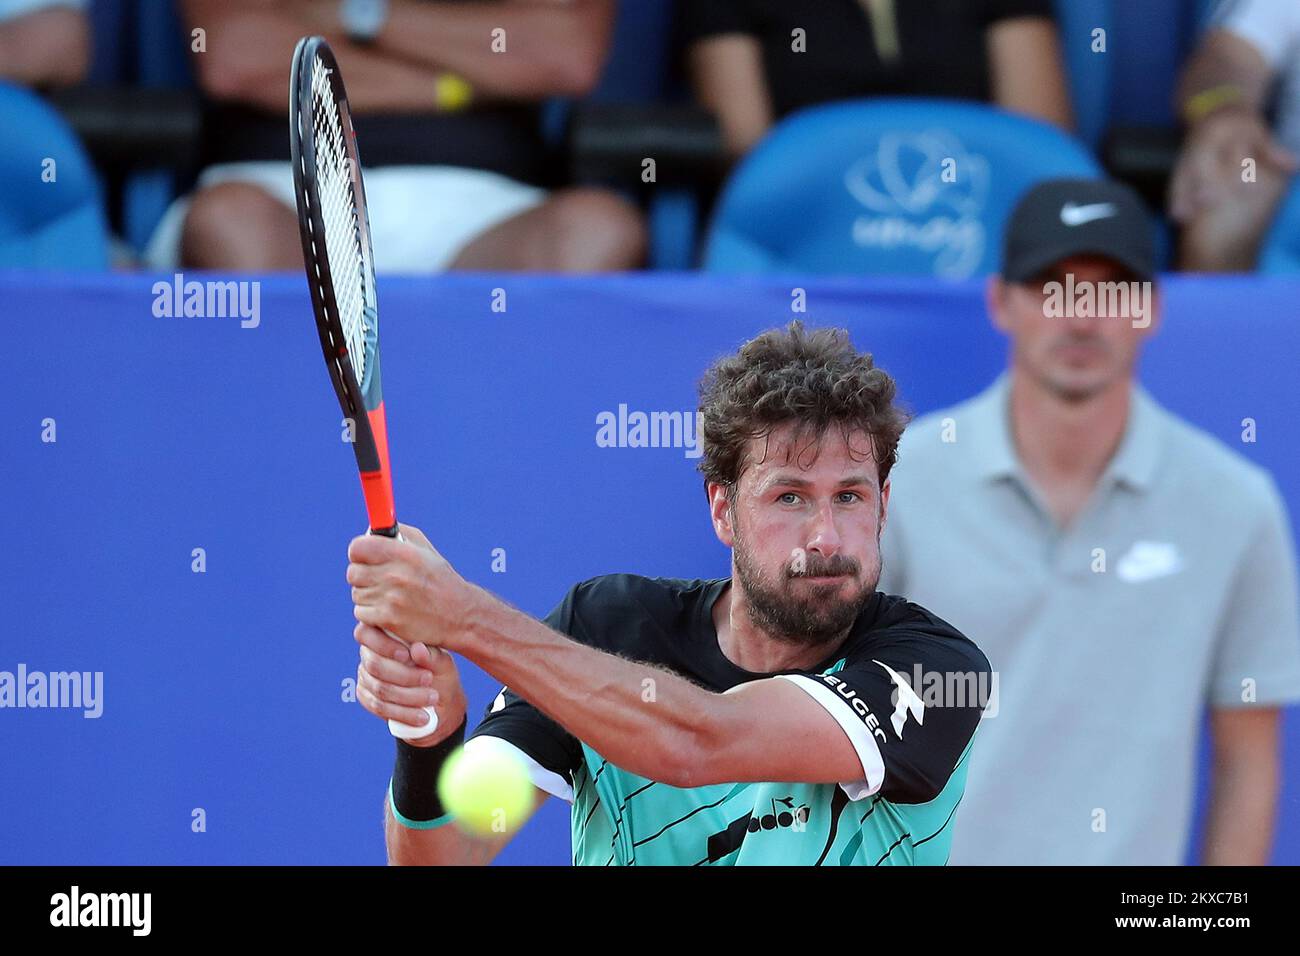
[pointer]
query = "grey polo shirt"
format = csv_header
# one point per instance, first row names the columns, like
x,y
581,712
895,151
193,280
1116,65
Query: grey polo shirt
x,y
1174,589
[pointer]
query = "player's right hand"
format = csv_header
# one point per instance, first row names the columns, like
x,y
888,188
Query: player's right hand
x,y
396,682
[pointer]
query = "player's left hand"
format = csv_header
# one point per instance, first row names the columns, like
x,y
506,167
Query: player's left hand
x,y
408,588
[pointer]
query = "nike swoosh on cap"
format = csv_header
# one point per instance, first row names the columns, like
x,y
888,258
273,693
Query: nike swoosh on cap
x,y
1073,215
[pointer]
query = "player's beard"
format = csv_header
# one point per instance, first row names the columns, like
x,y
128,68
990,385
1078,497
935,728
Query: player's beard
x,y
805,614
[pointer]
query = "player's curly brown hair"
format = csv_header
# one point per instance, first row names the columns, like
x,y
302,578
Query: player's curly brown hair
x,y
814,378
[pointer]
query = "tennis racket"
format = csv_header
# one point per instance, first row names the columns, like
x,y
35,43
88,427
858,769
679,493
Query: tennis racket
x,y
335,231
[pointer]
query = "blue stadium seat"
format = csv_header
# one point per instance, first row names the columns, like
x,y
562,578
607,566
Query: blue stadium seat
x,y
639,66
1280,252
1133,82
1204,13
1090,75
639,70
109,36
885,186
162,45
161,60
56,224
1148,44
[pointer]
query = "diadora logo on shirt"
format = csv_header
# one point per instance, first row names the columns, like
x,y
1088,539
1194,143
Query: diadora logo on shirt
x,y
785,815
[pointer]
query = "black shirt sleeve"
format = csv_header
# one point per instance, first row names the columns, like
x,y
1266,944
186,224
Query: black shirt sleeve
x,y
995,10
514,719
701,19
919,697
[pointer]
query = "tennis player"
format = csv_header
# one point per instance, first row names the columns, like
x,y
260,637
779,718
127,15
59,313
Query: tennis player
x,y
770,717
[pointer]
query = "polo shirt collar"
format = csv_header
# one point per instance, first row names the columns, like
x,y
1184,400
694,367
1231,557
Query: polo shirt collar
x,y
1134,464
990,420
1138,456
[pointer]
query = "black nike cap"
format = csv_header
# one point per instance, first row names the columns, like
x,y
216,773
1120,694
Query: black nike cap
x,y
1060,218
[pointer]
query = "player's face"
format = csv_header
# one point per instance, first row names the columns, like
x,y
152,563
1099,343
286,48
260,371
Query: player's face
x,y
805,530
1076,328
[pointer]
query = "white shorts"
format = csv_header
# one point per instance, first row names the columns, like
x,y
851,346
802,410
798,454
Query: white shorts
x,y
421,217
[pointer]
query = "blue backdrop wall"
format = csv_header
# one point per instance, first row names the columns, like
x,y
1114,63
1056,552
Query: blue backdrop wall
x,y
225,690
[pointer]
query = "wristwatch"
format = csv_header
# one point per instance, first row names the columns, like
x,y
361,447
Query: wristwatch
x,y
363,19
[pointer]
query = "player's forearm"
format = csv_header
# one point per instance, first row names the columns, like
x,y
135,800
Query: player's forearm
x,y
1243,809
643,718
550,49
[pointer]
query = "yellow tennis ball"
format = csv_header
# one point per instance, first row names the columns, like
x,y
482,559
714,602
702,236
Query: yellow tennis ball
x,y
486,789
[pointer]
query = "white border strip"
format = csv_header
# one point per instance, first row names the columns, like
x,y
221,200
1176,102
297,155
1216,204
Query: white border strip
x,y
542,778
873,765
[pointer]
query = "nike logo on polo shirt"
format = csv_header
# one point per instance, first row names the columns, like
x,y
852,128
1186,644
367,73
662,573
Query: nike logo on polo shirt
x,y
1148,560
1073,215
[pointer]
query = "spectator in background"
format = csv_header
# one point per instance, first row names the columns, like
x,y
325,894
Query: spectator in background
x,y
44,43
457,176
754,61
1251,51
1122,570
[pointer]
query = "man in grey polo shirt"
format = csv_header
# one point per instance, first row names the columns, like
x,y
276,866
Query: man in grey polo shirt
x,y
1122,570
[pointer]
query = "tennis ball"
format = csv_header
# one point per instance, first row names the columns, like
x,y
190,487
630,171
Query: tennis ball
x,y
486,789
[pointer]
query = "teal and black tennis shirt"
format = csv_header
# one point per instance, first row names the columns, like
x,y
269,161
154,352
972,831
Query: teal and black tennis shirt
x,y
914,744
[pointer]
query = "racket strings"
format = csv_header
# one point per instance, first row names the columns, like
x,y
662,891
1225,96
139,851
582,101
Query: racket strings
x,y
345,238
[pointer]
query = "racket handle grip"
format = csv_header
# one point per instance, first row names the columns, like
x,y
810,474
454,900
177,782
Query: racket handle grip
x,y
395,727
405,731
